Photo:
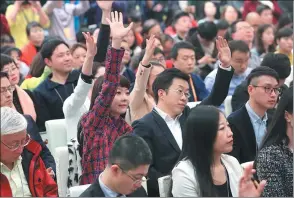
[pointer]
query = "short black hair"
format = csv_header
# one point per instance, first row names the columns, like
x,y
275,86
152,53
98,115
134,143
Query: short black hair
x,y
32,25
48,47
222,24
284,32
5,59
207,30
129,152
178,15
238,45
8,51
262,71
231,30
148,24
260,8
4,75
278,62
158,51
165,79
180,45
6,38
284,20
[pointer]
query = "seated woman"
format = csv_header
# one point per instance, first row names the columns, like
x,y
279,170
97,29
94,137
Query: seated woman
x,y
204,170
274,162
23,172
21,100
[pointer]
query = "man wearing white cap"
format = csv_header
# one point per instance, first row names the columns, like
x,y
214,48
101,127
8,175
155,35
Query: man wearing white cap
x,y
23,172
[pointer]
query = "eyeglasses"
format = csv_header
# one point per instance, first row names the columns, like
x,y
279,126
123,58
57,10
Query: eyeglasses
x,y
10,70
17,144
9,89
136,181
181,92
270,90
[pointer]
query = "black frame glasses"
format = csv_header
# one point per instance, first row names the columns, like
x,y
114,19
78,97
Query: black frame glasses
x,y
270,90
17,146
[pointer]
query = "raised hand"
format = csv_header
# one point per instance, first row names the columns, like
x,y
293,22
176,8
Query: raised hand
x,y
224,52
150,46
105,5
35,4
91,44
118,31
247,188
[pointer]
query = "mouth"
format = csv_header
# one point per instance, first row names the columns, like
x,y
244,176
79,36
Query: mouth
x,y
230,142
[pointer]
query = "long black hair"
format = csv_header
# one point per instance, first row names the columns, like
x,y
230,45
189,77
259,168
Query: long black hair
x,y
259,43
277,130
200,133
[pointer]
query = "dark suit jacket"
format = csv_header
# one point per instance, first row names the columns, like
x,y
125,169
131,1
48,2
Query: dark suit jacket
x,y
95,190
244,146
154,130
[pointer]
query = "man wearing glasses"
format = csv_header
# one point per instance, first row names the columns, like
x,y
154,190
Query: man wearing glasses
x,y
127,168
32,129
23,172
249,123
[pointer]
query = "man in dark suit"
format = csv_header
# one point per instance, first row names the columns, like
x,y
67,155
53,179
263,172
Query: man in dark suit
x,y
249,123
128,164
162,128
278,62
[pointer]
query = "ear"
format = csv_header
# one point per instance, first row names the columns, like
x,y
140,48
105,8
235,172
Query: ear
x,y
114,169
161,93
249,89
48,62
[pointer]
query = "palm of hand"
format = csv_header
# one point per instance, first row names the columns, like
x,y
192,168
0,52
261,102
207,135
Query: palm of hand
x,y
225,54
118,30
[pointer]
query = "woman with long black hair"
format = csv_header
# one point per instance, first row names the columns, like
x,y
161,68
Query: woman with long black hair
x,y
204,170
275,158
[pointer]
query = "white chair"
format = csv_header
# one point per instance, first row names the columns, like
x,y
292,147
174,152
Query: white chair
x,y
193,104
61,160
165,186
76,191
228,106
56,133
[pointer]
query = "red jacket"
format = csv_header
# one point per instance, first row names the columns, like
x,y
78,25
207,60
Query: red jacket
x,y
4,25
39,181
29,51
251,5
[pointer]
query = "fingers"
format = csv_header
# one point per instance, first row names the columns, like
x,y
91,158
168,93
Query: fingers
x,y
261,186
120,17
112,17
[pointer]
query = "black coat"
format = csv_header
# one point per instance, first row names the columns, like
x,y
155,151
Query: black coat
x,y
154,130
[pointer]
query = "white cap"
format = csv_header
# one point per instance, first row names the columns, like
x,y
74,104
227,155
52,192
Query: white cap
x,y
268,3
12,121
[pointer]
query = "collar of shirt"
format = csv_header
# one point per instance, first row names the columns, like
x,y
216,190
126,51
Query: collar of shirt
x,y
107,191
72,77
165,116
3,166
244,75
253,116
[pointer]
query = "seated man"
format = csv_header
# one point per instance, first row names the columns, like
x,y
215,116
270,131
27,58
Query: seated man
x,y
23,172
32,129
128,164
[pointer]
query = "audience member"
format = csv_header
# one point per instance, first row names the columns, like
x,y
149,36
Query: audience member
x,y
23,172
50,95
35,34
21,100
124,68
278,62
222,27
265,13
158,56
20,14
78,52
249,123
161,128
151,27
62,15
103,124
253,18
230,14
284,39
264,40
274,162
127,167
7,40
204,170
181,24
285,21
206,52
167,43
183,57
239,61
132,42
209,12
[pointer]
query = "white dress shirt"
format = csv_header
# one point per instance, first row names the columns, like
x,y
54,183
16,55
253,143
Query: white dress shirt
x,y
17,180
173,125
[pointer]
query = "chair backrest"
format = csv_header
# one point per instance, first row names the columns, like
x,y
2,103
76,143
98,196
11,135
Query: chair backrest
x,y
56,133
165,186
193,104
76,191
228,106
61,160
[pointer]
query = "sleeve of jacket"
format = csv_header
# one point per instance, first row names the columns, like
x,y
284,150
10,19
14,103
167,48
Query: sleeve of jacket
x,y
50,188
220,88
41,110
45,154
143,130
102,43
236,141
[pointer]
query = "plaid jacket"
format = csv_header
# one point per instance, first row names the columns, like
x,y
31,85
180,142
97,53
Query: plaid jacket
x,y
100,129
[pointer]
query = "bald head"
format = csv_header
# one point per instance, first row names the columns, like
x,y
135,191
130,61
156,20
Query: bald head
x,y
253,19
